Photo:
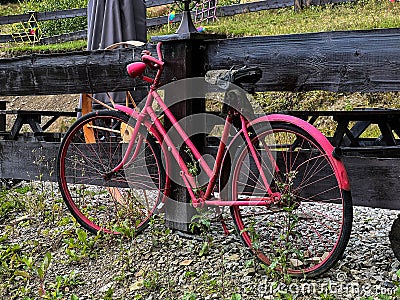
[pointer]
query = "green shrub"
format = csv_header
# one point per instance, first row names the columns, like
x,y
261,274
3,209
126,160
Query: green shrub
x,y
51,28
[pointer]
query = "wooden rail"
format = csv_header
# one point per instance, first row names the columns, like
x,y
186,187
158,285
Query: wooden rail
x,y
341,61
68,73
353,61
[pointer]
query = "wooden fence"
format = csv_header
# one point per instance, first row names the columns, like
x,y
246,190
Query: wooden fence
x,y
352,61
222,11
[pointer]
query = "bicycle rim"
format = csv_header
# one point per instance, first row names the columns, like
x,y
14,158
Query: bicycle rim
x,y
307,230
123,203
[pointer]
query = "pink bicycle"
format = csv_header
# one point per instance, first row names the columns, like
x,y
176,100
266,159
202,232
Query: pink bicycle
x,y
287,190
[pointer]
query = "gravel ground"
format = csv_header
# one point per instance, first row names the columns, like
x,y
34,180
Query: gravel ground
x,y
163,265
160,264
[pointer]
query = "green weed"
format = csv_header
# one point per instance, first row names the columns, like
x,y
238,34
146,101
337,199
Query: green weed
x,y
39,271
189,296
81,246
327,296
63,283
236,297
126,229
201,223
152,281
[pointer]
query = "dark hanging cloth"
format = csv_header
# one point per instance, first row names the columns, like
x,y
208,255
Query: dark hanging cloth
x,y
113,21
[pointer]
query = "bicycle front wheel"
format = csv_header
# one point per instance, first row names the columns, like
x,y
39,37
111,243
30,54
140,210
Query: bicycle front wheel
x,y
116,203
305,231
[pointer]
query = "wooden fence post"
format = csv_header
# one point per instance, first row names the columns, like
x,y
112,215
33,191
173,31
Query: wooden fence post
x,y
185,56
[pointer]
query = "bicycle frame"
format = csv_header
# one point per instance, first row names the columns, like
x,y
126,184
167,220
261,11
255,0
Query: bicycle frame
x,y
157,128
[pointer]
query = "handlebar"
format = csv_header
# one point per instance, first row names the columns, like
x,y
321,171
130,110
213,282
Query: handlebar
x,y
137,69
152,62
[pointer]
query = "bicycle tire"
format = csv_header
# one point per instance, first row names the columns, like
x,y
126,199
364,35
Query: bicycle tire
x,y
306,232
91,148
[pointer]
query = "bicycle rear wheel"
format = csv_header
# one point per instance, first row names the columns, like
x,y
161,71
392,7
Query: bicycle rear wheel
x,y
91,148
306,231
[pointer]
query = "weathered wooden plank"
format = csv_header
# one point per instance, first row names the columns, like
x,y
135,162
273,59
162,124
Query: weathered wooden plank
x,y
4,38
45,16
299,4
28,160
374,181
355,61
72,36
362,61
68,73
61,14
14,19
152,3
162,20
231,10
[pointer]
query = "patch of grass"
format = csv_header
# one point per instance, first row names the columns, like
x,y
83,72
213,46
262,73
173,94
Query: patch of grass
x,y
324,100
329,101
25,49
60,25
81,246
364,14
11,202
8,9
